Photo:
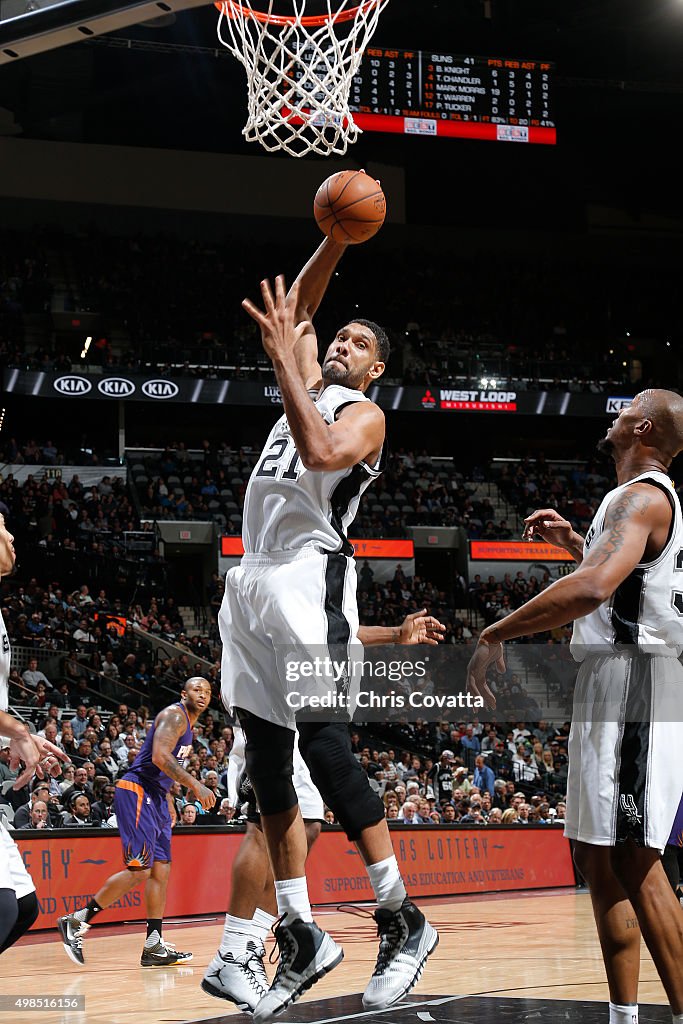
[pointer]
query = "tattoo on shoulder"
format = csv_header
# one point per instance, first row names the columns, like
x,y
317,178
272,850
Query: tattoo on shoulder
x,y
172,720
629,504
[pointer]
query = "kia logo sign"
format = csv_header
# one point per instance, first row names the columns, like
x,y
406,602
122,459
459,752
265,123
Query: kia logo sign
x,y
71,385
160,389
116,387
615,405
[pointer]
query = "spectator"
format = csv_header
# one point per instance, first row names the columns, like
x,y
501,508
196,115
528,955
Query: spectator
x,y
39,817
32,676
483,776
79,814
103,808
448,815
441,776
188,815
79,723
6,773
509,816
22,815
409,815
523,812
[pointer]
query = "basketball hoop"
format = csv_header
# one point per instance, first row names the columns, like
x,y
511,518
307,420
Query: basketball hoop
x,y
299,69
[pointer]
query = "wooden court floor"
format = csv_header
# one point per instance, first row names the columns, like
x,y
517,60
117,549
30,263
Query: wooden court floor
x,y
540,946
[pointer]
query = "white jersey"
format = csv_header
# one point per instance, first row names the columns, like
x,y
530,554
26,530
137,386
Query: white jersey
x,y
646,610
5,659
288,507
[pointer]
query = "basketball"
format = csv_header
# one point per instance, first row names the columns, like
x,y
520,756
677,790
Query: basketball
x,y
350,207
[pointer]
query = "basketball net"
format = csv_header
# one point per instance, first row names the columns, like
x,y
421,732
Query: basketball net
x,y
299,70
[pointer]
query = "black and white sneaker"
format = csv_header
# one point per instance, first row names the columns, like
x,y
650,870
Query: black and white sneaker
x,y
241,980
406,940
306,954
163,954
73,931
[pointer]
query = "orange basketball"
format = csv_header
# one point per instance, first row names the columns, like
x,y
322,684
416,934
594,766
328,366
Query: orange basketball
x,y
350,207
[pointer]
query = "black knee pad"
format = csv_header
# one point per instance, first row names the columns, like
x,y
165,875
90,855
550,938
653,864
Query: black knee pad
x,y
343,785
9,911
269,754
27,913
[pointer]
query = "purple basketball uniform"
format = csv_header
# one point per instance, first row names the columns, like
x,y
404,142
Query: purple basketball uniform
x,y
676,837
142,813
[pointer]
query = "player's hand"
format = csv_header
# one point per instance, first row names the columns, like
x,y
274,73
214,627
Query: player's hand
x,y
486,654
420,628
206,796
40,758
548,525
280,331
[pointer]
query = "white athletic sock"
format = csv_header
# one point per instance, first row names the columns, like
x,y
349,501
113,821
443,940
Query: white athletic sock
x,y
236,934
386,881
292,900
623,1014
677,1018
263,922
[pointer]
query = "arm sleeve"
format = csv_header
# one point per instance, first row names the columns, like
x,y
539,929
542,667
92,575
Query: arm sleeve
x,y
236,765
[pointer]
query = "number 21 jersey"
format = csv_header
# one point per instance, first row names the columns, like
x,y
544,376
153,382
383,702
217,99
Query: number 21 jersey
x,y
288,507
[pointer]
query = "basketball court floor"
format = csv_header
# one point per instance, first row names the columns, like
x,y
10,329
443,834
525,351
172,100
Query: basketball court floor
x,y
503,959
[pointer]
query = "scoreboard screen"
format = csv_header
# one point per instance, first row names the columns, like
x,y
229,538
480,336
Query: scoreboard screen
x,y
415,92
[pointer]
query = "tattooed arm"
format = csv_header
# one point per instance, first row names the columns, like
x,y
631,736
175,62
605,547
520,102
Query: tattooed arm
x,y
170,726
636,526
633,516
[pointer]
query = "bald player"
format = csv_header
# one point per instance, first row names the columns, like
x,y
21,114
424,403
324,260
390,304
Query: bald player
x,y
625,750
145,816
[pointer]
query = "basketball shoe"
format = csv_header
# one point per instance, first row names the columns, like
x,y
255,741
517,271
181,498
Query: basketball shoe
x,y
306,954
406,940
159,953
241,979
73,932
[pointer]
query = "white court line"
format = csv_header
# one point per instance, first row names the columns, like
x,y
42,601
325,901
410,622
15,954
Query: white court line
x,y
365,1013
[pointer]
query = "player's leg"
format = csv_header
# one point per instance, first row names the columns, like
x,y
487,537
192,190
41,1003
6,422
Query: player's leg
x,y
658,911
306,952
236,972
157,951
137,830
18,902
618,929
406,937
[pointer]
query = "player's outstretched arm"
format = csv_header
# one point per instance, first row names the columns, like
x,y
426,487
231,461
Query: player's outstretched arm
x,y
170,726
632,518
39,756
418,628
307,293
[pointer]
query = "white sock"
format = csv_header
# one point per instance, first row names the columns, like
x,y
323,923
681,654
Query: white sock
x,y
236,934
623,1014
386,881
677,1018
292,900
263,922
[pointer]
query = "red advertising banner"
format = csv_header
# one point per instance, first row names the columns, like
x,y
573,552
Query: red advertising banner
x,y
516,551
434,862
231,547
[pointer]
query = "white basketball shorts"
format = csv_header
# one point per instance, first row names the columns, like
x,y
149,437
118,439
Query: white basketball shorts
x,y
281,611
625,751
13,874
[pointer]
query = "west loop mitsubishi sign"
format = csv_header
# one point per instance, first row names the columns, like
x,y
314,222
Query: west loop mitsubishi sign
x,y
474,401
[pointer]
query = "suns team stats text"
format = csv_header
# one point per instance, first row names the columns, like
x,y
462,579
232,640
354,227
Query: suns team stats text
x,y
415,92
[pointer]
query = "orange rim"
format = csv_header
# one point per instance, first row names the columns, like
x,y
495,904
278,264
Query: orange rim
x,y
232,9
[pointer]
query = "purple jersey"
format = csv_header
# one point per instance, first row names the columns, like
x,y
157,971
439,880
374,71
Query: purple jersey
x,y
143,769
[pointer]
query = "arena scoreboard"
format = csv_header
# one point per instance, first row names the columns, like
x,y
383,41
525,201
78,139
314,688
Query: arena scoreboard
x,y
418,92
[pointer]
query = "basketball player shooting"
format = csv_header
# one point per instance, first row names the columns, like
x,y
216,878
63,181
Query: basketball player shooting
x,y
296,586
625,768
237,973
29,755
144,817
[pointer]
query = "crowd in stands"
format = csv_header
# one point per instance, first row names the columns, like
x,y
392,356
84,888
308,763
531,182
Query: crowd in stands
x,y
176,302
446,772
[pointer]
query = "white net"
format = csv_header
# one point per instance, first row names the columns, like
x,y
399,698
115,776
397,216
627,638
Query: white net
x,y
299,71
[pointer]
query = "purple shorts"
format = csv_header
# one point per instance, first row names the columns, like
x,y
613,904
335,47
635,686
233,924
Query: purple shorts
x,y
676,837
144,824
